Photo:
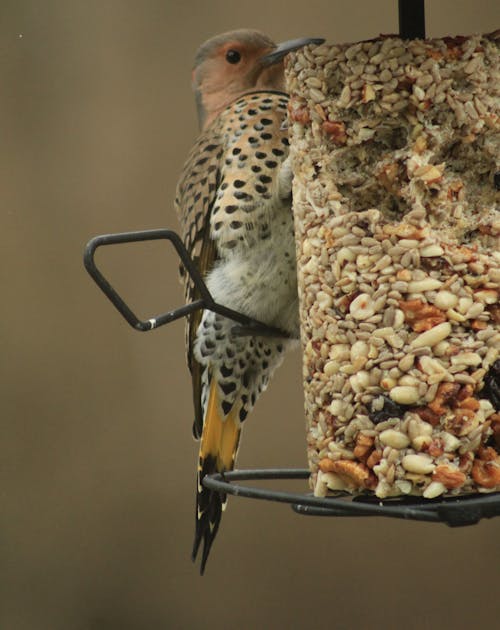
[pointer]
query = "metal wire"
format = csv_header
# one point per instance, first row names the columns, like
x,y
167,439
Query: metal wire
x,y
455,511
411,19
248,326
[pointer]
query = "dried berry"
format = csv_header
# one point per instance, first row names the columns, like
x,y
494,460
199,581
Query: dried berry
x,y
491,389
390,409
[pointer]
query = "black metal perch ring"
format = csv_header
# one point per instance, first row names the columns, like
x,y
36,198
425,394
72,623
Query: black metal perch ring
x,y
455,511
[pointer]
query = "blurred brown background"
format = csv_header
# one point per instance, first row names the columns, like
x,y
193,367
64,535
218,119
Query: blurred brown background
x,y
97,482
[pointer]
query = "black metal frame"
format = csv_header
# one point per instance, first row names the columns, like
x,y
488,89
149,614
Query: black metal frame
x,y
454,511
248,326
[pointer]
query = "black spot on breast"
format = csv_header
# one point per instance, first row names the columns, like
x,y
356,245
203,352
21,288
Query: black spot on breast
x,y
228,161
225,371
252,112
260,189
265,179
264,108
271,164
236,151
267,100
210,147
230,209
235,225
201,161
260,155
256,169
258,127
242,196
242,157
238,183
266,136
253,140
285,141
197,196
217,226
278,152
266,121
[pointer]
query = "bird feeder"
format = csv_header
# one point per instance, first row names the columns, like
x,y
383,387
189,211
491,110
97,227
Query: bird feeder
x,y
394,144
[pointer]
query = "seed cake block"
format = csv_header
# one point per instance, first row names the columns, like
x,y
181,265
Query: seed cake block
x,y
395,147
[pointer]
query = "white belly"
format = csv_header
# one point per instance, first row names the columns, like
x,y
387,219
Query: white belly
x,y
259,278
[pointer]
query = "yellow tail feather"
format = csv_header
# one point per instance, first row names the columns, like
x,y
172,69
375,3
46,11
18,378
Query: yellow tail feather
x,y
221,435
219,444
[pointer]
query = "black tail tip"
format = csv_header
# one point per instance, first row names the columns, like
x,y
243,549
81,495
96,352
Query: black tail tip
x,y
207,524
196,545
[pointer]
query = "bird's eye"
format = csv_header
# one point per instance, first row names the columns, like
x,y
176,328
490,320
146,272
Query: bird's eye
x,y
233,56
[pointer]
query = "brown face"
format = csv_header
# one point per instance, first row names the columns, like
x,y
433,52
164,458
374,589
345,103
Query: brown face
x,y
232,65
230,70
235,63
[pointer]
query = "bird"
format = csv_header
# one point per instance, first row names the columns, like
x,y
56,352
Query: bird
x,y
233,200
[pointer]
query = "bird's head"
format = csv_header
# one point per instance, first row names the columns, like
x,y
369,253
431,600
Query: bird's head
x,y
235,63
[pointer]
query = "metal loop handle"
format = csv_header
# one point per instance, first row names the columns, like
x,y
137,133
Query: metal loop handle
x,y
248,326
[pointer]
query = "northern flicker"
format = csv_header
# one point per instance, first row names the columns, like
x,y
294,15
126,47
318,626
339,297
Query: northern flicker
x,y
234,203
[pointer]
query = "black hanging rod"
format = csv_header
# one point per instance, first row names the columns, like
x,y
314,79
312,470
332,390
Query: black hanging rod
x,y
411,19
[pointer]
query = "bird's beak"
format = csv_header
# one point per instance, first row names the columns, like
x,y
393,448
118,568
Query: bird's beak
x,y
284,48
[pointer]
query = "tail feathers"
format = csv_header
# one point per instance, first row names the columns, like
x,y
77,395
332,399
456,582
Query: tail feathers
x,y
209,506
219,444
